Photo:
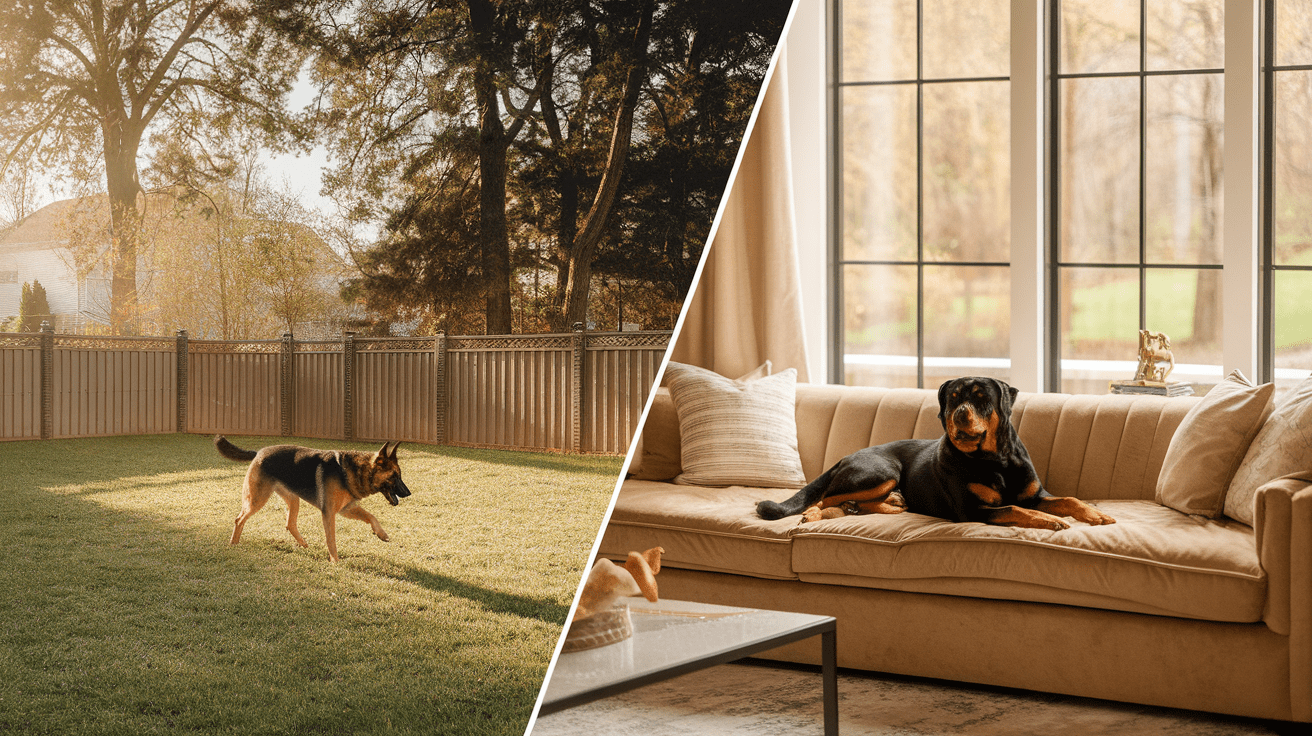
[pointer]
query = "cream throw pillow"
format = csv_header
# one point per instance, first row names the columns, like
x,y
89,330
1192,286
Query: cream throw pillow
x,y
736,432
1283,446
1209,445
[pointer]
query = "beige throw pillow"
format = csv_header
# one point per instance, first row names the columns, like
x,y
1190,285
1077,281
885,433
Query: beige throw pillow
x,y
1283,446
736,432
1209,445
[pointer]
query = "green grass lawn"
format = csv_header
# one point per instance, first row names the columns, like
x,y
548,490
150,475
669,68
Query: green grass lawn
x,y
1171,296
124,610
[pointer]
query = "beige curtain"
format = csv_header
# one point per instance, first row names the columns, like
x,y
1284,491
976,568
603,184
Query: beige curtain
x,y
747,307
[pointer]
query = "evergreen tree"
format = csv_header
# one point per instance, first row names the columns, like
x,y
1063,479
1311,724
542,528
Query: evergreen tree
x,y
33,307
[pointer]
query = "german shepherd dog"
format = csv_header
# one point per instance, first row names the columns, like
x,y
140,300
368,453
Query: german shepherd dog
x,y
333,481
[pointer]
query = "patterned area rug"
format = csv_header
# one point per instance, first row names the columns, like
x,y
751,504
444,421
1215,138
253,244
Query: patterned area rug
x,y
762,699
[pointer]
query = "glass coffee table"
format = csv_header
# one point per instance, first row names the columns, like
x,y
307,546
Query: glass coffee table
x,y
672,638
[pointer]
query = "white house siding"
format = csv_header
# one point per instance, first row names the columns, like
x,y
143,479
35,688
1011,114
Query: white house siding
x,y
46,262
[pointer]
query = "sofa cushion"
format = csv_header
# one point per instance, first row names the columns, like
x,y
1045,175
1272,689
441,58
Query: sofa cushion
x,y
1153,560
657,456
714,529
1209,445
740,431
1282,447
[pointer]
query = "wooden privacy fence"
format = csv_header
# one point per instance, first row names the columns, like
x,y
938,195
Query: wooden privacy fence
x,y
576,392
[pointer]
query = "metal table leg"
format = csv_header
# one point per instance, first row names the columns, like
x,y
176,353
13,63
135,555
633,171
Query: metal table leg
x,y
829,673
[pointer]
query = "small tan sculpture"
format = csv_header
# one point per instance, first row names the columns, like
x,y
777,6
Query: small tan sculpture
x,y
1154,350
1155,363
598,620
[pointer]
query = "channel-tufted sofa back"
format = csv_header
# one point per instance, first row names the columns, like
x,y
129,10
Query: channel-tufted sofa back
x,y
1096,447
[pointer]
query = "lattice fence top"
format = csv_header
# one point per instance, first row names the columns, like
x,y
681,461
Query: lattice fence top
x,y
501,342
87,342
318,346
19,340
629,339
398,344
235,346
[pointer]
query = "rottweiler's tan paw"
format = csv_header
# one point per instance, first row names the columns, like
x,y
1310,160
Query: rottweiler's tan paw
x,y
1094,517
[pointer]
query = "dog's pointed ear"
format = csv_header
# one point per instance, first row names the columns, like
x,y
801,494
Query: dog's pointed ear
x,y
381,455
394,446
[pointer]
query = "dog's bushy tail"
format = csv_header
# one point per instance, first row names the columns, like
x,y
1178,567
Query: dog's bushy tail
x,y
771,510
231,451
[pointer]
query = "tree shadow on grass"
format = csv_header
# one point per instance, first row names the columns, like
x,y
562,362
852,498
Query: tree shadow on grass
x,y
138,621
546,610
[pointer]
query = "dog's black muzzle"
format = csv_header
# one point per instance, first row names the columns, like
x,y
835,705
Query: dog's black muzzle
x,y
396,493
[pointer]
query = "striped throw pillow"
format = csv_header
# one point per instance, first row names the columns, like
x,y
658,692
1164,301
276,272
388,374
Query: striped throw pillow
x,y
736,432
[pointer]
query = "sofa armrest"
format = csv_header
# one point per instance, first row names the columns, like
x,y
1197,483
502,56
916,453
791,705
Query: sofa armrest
x,y
1283,513
658,455
1283,526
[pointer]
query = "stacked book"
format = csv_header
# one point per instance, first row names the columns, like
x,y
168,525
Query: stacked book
x,y
1173,388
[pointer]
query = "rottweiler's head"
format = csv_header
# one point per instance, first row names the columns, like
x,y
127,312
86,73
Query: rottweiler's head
x,y
976,414
386,475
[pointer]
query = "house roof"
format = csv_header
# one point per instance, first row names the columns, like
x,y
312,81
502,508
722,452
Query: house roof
x,y
43,229
49,227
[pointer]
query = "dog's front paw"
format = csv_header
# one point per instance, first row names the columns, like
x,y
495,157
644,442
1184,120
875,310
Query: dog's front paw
x,y
1094,517
812,513
1057,525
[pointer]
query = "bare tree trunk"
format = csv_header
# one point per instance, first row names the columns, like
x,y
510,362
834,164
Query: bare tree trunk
x,y
492,146
1207,317
125,224
585,243
567,189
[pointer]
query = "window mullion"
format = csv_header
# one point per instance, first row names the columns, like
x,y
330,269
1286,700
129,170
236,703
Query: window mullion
x,y
1029,272
1240,348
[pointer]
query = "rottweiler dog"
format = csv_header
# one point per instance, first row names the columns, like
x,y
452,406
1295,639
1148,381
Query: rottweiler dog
x,y
978,471
333,481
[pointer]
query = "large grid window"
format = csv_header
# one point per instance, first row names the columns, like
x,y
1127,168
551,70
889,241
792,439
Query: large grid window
x,y
1138,101
923,159
1287,215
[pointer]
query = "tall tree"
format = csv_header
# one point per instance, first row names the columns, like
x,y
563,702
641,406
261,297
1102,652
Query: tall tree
x,y
88,80
537,109
582,250
704,70
422,82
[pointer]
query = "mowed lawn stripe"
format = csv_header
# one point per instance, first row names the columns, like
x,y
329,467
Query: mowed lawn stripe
x,y
124,610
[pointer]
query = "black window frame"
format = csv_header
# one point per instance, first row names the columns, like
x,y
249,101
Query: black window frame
x,y
1052,190
1267,265
837,262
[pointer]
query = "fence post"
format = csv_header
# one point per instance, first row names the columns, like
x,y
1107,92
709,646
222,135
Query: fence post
x,y
181,384
286,389
47,381
441,389
580,344
348,385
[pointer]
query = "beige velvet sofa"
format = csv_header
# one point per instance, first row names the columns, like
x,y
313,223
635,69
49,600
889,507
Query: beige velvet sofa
x,y
1160,608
